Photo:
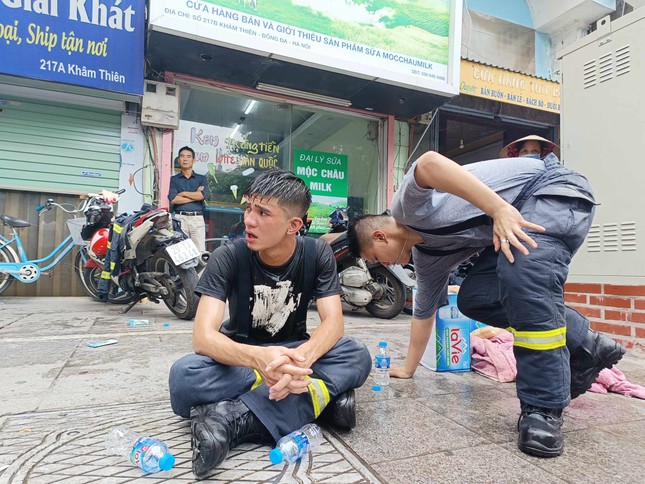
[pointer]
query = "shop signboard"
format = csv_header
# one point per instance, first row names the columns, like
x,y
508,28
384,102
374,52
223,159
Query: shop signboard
x,y
408,43
131,169
326,176
229,159
96,44
490,82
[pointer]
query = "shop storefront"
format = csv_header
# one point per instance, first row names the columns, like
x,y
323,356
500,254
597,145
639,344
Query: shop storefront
x,y
236,137
65,130
267,87
495,107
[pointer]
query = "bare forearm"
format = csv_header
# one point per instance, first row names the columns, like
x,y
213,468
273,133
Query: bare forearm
x,y
224,350
208,341
326,335
438,172
419,336
322,339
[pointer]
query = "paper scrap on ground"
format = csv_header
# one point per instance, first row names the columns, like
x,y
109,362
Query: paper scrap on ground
x,y
102,343
138,322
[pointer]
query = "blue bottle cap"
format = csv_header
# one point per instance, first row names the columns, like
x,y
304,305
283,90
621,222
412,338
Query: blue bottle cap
x,y
167,462
276,456
382,343
376,388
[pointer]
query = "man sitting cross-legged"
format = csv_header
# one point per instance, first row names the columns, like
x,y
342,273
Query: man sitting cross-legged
x,y
259,375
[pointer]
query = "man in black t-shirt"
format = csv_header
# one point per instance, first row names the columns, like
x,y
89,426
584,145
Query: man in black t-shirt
x,y
259,375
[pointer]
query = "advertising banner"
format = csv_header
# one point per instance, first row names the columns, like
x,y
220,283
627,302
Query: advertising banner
x,y
96,44
411,43
132,158
229,159
326,176
509,87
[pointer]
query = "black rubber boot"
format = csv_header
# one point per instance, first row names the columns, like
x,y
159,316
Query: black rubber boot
x,y
540,431
341,411
596,353
218,427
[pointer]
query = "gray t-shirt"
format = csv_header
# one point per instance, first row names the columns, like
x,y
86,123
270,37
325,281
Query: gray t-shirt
x,y
425,209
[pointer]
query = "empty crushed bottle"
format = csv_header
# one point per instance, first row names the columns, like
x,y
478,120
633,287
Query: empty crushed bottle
x,y
148,454
382,365
294,446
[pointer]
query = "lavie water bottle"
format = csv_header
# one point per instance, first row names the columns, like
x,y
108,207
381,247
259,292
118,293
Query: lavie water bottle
x,y
382,365
294,446
148,454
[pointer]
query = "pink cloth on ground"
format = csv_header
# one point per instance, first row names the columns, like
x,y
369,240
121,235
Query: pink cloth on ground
x,y
613,380
494,357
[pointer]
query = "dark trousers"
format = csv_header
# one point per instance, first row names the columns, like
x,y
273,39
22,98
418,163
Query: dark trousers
x,y
528,296
196,380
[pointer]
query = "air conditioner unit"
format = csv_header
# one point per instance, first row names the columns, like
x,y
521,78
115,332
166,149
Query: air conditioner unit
x,y
425,118
160,107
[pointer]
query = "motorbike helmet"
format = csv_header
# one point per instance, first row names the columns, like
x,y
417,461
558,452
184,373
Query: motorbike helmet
x,y
338,219
99,242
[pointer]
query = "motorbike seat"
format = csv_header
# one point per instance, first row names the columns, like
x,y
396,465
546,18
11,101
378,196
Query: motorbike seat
x,y
14,222
330,237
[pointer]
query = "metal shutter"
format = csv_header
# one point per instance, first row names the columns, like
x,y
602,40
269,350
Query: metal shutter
x,y
56,148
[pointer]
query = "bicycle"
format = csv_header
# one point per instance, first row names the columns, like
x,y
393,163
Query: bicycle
x,y
17,265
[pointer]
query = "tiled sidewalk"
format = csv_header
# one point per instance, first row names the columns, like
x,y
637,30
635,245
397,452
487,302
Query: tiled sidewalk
x,y
60,398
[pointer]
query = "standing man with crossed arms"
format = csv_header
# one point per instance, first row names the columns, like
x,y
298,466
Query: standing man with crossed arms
x,y
188,190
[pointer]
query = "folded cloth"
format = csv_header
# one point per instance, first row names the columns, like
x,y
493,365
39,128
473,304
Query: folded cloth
x,y
493,356
613,380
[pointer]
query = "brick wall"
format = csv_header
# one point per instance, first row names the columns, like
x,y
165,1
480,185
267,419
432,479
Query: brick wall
x,y
616,310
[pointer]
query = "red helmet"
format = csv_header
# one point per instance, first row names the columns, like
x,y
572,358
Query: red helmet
x,y
99,242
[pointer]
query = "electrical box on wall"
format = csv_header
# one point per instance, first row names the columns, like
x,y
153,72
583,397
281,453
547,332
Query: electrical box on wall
x,y
160,106
602,78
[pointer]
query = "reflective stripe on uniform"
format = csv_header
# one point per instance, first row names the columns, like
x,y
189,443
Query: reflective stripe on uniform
x,y
319,395
105,274
117,228
540,340
258,380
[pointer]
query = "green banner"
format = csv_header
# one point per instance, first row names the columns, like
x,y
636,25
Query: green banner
x,y
326,176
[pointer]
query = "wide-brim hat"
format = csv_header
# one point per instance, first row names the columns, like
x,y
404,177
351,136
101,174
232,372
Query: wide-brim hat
x,y
511,150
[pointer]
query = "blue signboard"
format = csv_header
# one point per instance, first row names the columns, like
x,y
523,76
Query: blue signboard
x,y
91,43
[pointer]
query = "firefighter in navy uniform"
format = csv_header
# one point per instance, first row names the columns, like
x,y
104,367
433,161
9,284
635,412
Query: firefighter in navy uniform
x,y
443,214
259,375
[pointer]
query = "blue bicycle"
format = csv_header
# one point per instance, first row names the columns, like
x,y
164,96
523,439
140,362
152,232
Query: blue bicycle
x,y
14,263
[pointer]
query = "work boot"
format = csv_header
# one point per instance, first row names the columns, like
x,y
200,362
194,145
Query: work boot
x,y
540,431
341,411
218,427
596,353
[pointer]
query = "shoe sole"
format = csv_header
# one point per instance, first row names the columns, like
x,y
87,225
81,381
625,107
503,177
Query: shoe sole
x,y
613,358
537,450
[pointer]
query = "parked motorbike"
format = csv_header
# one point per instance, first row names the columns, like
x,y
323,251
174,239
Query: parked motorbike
x,y
408,307
380,289
155,260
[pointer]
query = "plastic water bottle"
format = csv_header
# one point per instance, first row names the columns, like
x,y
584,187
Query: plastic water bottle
x,y
149,454
297,444
382,365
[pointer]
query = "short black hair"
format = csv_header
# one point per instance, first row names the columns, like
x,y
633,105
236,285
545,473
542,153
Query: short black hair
x,y
359,232
286,188
186,148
